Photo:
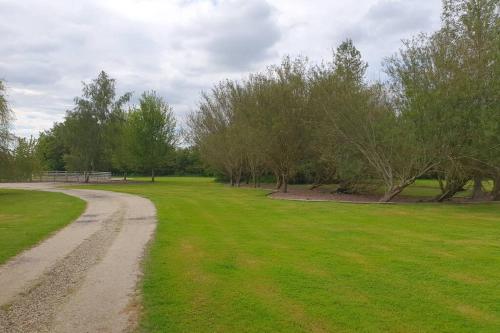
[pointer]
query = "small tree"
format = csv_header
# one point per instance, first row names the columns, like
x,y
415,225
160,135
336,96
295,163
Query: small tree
x,y
152,132
25,162
51,148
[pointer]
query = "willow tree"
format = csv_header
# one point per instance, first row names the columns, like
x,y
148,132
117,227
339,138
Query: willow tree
x,y
213,130
337,87
447,84
250,128
284,117
363,118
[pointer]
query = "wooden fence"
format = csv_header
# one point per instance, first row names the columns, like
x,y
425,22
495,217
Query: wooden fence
x,y
74,177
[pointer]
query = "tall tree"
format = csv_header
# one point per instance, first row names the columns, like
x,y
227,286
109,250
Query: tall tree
x,y
120,143
448,84
362,117
5,136
285,118
85,127
214,130
152,130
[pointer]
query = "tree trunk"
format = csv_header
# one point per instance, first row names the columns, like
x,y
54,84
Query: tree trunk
x,y
238,178
279,181
392,193
495,193
86,175
285,183
125,175
451,188
315,186
477,191
395,190
153,175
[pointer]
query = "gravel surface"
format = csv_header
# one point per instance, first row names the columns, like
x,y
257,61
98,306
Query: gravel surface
x,y
83,278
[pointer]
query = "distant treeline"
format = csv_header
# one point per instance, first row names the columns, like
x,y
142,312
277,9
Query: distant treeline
x,y
101,133
437,115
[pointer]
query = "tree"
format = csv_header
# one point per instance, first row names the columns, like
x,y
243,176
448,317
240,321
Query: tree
x,y
152,130
51,148
213,129
85,127
438,114
446,83
118,136
282,101
26,162
336,87
5,136
363,118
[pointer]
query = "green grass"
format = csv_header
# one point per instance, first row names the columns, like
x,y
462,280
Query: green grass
x,y
429,188
27,217
232,260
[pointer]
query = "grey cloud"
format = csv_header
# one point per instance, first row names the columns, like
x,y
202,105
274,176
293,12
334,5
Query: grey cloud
x,y
379,32
177,48
29,73
388,19
242,37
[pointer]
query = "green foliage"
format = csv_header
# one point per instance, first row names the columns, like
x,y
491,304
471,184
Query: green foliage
x,y
51,148
447,84
99,134
260,123
86,128
152,131
26,163
187,162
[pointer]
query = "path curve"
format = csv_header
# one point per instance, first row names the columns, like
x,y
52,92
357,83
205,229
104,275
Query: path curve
x,y
83,278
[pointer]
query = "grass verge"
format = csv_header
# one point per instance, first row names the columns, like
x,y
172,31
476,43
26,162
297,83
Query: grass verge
x,y
27,217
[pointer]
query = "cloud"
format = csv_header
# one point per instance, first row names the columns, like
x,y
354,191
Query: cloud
x,y
389,19
179,47
379,31
241,35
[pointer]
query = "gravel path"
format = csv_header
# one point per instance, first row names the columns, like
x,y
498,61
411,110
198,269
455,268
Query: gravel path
x,y
83,278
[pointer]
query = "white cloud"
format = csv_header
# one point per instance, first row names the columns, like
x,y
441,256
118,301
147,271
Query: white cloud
x,y
180,47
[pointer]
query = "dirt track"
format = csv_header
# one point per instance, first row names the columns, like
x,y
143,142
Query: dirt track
x,y
83,278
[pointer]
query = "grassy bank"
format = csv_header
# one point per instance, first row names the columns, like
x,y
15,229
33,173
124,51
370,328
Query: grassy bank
x,y
232,260
27,217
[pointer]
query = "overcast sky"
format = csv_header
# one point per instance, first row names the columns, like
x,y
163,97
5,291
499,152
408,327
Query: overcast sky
x,y
181,47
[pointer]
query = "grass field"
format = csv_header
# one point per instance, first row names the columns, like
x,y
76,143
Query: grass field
x,y
232,260
27,217
430,188
421,189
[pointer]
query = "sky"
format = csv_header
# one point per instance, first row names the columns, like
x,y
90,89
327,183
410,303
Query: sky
x,y
181,47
